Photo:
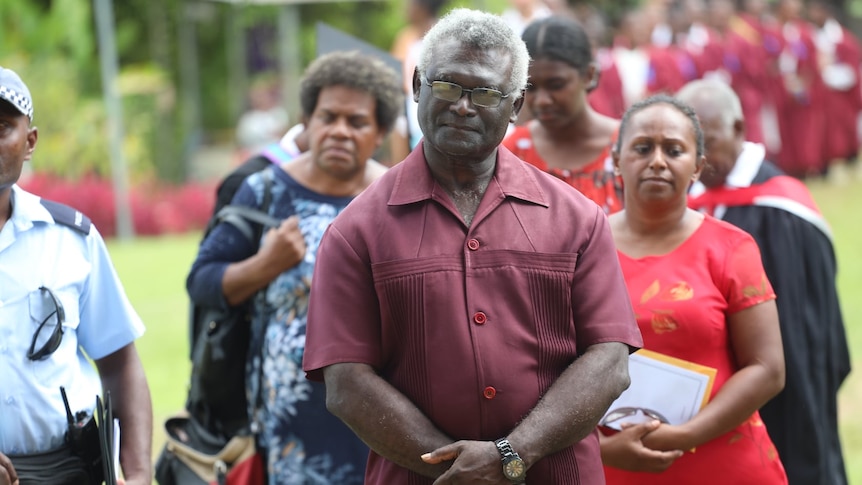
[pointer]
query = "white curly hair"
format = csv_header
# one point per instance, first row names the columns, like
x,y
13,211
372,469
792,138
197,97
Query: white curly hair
x,y
483,31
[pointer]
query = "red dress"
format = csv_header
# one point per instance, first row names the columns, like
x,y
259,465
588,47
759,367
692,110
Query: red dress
x,y
596,180
681,301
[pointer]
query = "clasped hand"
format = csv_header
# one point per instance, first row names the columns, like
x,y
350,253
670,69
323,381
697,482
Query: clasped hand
x,y
643,447
285,244
473,462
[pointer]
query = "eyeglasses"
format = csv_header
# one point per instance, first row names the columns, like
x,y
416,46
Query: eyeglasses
x,y
56,337
629,412
484,97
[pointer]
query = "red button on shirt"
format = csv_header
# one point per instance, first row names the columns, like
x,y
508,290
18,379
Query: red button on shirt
x,y
473,244
480,318
489,392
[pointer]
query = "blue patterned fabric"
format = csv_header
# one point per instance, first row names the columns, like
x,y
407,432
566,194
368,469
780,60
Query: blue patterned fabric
x,y
303,442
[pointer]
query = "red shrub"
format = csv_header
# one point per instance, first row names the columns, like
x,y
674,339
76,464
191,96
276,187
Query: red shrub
x,y
156,208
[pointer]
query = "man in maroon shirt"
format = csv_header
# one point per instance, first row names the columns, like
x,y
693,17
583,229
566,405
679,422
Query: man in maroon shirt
x,y
468,308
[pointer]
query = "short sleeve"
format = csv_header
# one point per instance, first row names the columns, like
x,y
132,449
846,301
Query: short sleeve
x,y
745,282
601,305
343,314
109,322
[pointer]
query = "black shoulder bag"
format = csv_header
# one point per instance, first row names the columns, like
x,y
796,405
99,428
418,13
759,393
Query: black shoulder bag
x,y
216,435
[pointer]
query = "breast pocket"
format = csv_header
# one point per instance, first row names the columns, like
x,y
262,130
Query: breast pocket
x,y
53,340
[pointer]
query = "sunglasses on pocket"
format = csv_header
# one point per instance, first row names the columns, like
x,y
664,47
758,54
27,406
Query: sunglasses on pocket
x,y
57,317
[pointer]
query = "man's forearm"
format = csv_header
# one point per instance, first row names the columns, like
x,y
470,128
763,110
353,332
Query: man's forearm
x,y
123,375
382,417
572,407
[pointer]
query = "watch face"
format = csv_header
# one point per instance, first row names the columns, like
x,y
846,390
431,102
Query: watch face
x,y
514,469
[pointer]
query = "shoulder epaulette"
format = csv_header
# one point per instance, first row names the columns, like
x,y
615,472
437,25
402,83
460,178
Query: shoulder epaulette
x,y
67,216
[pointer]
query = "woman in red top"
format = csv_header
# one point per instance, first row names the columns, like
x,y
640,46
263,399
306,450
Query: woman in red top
x,y
566,137
700,294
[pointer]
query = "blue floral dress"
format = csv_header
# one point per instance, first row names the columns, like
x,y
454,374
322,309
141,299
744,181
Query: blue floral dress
x,y
303,442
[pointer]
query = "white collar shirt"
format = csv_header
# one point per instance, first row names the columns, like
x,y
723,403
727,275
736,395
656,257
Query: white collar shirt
x,y
99,320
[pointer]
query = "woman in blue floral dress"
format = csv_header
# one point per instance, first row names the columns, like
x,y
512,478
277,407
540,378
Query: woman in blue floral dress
x,y
349,102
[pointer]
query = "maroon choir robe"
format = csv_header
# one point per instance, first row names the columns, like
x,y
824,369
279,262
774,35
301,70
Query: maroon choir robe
x,y
663,75
800,107
839,57
747,53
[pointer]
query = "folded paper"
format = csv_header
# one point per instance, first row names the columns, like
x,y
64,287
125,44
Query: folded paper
x,y
662,387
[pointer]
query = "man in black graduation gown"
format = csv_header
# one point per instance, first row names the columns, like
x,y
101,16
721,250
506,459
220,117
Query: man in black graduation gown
x,y
741,187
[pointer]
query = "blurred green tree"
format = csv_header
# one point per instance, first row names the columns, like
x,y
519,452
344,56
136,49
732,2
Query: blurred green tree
x,y
185,66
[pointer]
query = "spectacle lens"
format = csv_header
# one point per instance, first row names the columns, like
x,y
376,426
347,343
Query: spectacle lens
x,y
484,97
57,317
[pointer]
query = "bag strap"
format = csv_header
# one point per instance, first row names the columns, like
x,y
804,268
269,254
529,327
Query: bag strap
x,y
242,217
276,153
267,197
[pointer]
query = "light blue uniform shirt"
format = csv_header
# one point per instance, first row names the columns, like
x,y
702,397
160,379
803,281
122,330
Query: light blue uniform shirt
x,y
34,252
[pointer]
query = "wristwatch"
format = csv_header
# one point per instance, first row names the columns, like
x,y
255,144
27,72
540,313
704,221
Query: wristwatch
x,y
514,468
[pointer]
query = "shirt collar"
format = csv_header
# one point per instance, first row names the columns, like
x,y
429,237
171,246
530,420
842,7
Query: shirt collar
x,y
747,165
743,172
26,209
414,182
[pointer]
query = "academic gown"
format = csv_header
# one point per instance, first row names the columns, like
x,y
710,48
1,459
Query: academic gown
x,y
801,420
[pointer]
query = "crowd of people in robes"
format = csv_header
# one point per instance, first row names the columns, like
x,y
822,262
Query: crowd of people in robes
x,y
795,68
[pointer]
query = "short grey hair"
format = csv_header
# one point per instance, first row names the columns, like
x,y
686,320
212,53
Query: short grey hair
x,y
483,31
718,94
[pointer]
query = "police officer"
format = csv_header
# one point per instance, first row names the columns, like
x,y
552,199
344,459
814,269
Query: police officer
x,y
61,304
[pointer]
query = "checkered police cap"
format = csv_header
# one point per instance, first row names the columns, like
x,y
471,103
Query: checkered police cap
x,y
14,91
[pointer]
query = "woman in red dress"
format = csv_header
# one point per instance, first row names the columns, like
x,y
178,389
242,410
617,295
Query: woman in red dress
x,y
566,137
700,294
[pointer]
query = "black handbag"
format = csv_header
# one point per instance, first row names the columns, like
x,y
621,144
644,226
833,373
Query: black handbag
x,y
217,386
220,337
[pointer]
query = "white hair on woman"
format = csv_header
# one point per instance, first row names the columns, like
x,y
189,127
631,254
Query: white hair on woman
x,y
483,31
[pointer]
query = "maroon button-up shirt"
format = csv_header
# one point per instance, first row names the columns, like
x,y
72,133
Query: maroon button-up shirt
x,y
400,282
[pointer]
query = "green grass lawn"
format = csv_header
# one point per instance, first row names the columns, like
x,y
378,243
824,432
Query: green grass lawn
x,y
841,205
154,270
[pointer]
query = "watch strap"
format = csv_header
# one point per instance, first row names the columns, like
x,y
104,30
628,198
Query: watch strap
x,y
505,448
